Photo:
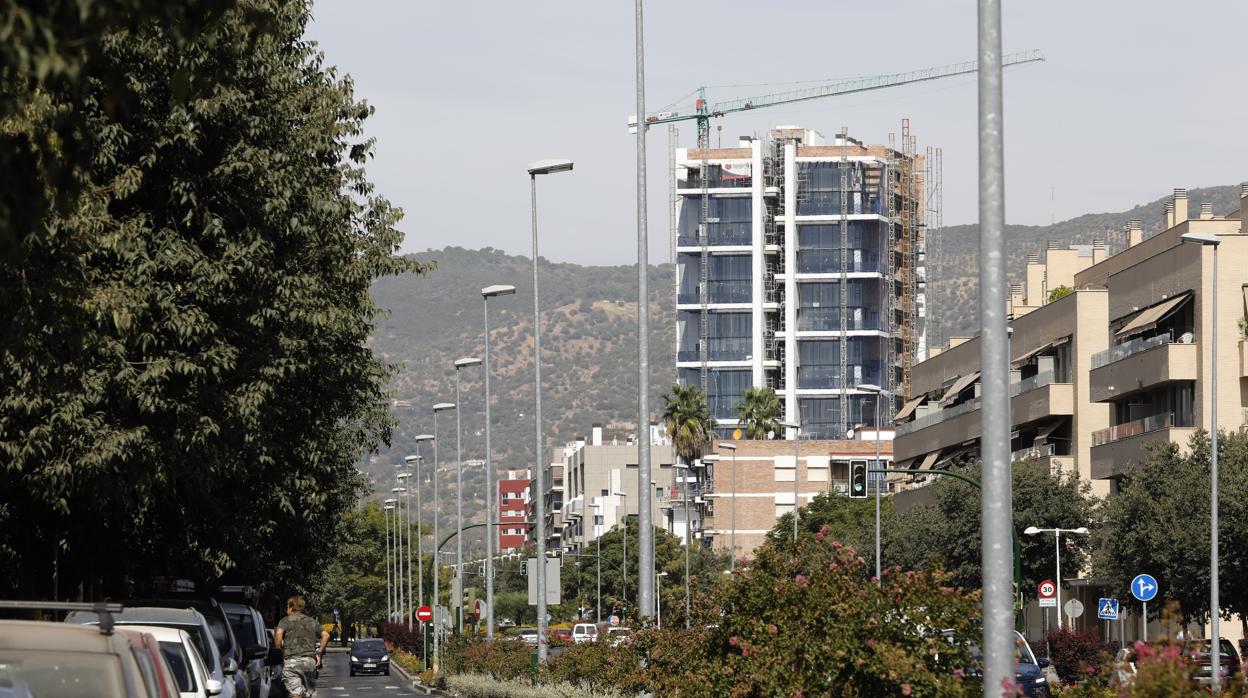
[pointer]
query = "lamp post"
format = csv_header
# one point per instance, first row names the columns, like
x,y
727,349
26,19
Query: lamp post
x,y
877,392
420,512
658,600
624,567
404,597
437,512
732,562
389,506
542,167
688,468
598,549
645,483
464,362
486,294
1215,659
797,459
1057,540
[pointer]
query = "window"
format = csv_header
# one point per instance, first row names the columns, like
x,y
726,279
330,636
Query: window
x,y
733,226
819,247
819,305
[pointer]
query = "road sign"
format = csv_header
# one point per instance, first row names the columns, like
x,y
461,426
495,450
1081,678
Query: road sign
x,y
478,609
1107,609
1144,587
1047,591
424,614
1073,608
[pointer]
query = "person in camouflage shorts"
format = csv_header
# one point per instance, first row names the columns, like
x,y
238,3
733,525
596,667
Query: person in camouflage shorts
x,y
298,636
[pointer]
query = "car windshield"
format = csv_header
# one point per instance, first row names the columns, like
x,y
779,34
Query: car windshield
x,y
180,664
1202,646
1022,653
244,629
220,633
60,674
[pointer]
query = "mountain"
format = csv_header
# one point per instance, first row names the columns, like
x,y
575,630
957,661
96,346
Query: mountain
x,y
953,253
589,350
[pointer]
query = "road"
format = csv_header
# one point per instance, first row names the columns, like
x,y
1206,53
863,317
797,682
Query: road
x,y
336,681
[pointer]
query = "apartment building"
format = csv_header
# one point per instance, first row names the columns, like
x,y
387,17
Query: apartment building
x,y
593,487
754,485
799,267
514,501
1124,360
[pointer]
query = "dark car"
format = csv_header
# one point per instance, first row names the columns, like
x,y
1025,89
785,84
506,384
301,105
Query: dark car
x,y
370,657
188,619
1028,671
248,627
233,655
1228,662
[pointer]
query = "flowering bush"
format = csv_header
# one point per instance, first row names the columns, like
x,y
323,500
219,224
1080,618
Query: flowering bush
x,y
397,636
1077,654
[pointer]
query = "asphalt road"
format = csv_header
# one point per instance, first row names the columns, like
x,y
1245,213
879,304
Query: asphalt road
x,y
336,681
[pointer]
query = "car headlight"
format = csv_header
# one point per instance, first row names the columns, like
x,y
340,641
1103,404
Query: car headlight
x,y
384,658
354,659
1041,680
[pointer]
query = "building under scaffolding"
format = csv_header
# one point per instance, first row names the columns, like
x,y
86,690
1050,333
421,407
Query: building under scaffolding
x,y
800,267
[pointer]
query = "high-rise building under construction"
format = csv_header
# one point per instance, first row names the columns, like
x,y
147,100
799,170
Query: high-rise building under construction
x,y
800,266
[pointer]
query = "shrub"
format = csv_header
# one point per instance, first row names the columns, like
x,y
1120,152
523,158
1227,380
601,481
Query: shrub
x,y
1077,654
481,686
397,636
500,659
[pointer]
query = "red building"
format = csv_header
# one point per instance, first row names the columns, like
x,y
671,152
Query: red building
x,y
514,495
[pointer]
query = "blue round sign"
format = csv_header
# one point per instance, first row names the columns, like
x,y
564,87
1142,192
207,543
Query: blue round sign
x,y
1144,587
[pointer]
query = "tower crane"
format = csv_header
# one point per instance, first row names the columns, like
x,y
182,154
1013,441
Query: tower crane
x,y
702,113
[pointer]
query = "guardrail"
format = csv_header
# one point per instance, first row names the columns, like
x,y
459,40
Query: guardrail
x,y
1037,381
1122,351
1126,430
937,417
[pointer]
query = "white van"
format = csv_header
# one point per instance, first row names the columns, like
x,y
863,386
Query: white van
x,y
584,632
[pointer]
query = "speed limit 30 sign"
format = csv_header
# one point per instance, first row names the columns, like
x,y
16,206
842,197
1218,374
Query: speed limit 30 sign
x,y
1048,594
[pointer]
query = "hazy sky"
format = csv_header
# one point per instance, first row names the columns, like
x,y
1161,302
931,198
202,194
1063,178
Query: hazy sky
x,y
1136,97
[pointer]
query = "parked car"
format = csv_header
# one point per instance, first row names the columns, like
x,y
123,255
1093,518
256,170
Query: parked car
x,y
1028,671
370,656
277,688
153,667
560,633
584,632
528,636
233,657
248,627
38,658
1202,658
618,636
190,674
188,619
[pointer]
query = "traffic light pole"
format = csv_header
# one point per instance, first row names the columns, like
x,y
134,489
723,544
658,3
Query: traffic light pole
x,y
1018,564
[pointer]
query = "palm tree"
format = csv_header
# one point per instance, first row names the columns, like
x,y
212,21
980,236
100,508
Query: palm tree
x,y
688,421
759,411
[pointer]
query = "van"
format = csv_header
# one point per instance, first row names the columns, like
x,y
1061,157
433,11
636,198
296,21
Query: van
x,y
584,632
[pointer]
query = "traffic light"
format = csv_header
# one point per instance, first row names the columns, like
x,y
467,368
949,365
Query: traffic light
x,y
858,479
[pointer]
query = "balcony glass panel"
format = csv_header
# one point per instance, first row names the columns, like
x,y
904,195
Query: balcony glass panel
x,y
729,221
729,279
830,188
1122,351
729,336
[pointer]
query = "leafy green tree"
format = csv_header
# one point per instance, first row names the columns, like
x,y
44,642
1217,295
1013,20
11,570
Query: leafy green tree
x,y
949,536
355,580
197,398
1060,292
759,410
688,420
838,517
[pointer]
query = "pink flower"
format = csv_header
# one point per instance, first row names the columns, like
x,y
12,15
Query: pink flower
x,y
771,628
906,689
871,641
800,580
960,673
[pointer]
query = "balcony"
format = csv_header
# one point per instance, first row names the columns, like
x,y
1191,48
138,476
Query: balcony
x,y
1115,449
734,291
1141,364
1039,397
1243,359
734,234
721,349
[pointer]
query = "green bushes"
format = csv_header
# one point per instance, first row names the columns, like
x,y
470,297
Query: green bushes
x,y
1077,654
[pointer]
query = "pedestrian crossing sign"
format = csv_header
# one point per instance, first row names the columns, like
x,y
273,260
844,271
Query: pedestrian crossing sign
x,y
1107,609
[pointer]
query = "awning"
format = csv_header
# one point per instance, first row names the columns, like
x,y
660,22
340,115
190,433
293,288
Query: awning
x,y
905,463
1043,432
1060,341
1023,359
929,459
956,454
907,408
1149,317
959,385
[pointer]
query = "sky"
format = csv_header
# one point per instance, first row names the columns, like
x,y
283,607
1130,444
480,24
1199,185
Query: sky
x,y
1134,98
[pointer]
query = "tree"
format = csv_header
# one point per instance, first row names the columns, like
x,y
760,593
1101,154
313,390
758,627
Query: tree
x,y
195,400
1060,292
836,516
759,411
355,579
949,536
688,421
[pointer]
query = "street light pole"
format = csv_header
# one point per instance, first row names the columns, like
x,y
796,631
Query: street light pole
x,y
389,563
732,562
486,294
645,484
797,460
459,496
437,512
598,546
877,392
658,600
405,595
1057,543
539,494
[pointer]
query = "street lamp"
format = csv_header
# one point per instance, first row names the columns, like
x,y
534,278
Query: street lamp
x,y
732,563
541,167
624,567
1057,540
464,362
598,549
403,597
389,506
437,513
658,600
797,459
420,513
714,458
688,468
486,294
1210,240
877,392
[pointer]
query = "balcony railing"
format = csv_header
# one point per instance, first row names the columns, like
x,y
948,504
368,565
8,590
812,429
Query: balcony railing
x,y
735,291
1033,452
817,261
824,319
1122,351
719,234
1126,430
1037,381
724,349
937,417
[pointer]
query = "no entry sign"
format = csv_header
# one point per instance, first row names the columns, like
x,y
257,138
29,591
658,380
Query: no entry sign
x,y
424,614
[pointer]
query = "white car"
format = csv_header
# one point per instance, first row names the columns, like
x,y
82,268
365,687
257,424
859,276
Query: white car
x,y
189,672
618,636
584,632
